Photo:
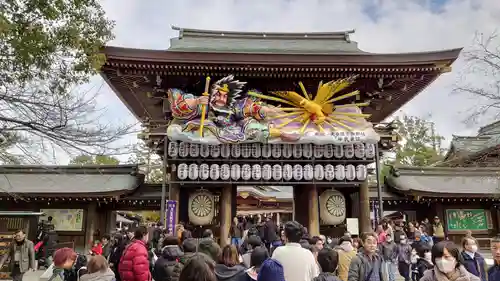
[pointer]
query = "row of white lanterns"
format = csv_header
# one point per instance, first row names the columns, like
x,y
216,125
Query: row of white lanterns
x,y
267,172
258,150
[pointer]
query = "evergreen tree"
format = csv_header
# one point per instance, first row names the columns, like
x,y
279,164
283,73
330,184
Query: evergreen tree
x,y
94,160
420,145
150,163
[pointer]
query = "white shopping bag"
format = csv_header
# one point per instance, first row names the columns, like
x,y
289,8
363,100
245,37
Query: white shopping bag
x,y
47,274
155,258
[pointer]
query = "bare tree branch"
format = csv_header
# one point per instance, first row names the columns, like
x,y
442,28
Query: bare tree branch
x,y
48,50
483,61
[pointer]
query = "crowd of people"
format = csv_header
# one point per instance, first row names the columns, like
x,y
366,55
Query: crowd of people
x,y
143,254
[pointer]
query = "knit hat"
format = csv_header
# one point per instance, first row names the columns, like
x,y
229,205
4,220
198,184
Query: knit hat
x,y
271,270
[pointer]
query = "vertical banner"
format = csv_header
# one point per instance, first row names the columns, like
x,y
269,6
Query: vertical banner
x,y
170,216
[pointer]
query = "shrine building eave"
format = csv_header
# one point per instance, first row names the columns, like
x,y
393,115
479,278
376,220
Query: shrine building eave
x,y
133,74
445,182
88,181
157,59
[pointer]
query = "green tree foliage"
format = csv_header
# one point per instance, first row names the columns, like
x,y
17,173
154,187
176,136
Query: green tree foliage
x,y
95,160
48,48
420,145
150,163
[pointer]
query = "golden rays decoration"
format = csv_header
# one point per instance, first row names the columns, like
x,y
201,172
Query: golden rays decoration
x,y
321,109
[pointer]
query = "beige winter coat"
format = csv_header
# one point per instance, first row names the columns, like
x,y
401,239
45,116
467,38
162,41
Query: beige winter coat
x,y
460,275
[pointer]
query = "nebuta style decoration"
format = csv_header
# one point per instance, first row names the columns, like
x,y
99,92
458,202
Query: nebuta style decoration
x,y
201,207
332,207
228,114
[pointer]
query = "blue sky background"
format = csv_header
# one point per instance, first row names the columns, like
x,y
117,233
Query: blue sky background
x,y
381,26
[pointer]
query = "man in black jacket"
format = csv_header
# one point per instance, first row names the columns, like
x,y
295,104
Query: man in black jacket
x,y
270,232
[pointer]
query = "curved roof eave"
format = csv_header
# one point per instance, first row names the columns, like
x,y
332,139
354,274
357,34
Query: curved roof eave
x,y
164,56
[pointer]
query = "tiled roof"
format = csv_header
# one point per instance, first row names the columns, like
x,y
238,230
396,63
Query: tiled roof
x,y
196,40
441,181
69,180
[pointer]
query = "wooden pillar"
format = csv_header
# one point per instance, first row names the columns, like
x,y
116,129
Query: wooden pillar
x,y
225,214
111,218
313,210
364,208
90,226
301,205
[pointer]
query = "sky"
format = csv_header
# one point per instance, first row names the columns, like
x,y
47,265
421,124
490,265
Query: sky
x,y
391,26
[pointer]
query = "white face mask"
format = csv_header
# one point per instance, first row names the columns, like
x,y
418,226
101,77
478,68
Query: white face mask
x,y
428,256
403,241
446,266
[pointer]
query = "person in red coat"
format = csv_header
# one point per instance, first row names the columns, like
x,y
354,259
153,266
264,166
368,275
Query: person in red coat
x,y
96,249
134,264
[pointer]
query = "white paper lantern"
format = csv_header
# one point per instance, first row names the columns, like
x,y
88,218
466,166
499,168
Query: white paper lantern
x,y
308,172
297,151
361,172
340,172
214,172
182,171
256,172
297,172
318,151
204,172
319,172
359,150
246,172
204,150
173,149
267,172
329,172
277,172
287,172
328,152
332,207
256,151
201,207
287,151
194,150
276,150
338,151
225,150
266,150
235,172
370,150
235,151
246,150
349,151
350,172
193,172
225,172
214,151
183,149
307,150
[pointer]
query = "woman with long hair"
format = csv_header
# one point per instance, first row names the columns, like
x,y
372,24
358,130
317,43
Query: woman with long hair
x,y
229,267
119,243
257,258
447,264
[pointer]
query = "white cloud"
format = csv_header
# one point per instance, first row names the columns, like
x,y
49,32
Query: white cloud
x,y
381,26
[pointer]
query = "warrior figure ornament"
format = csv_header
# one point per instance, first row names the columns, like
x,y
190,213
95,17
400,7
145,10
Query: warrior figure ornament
x,y
232,115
